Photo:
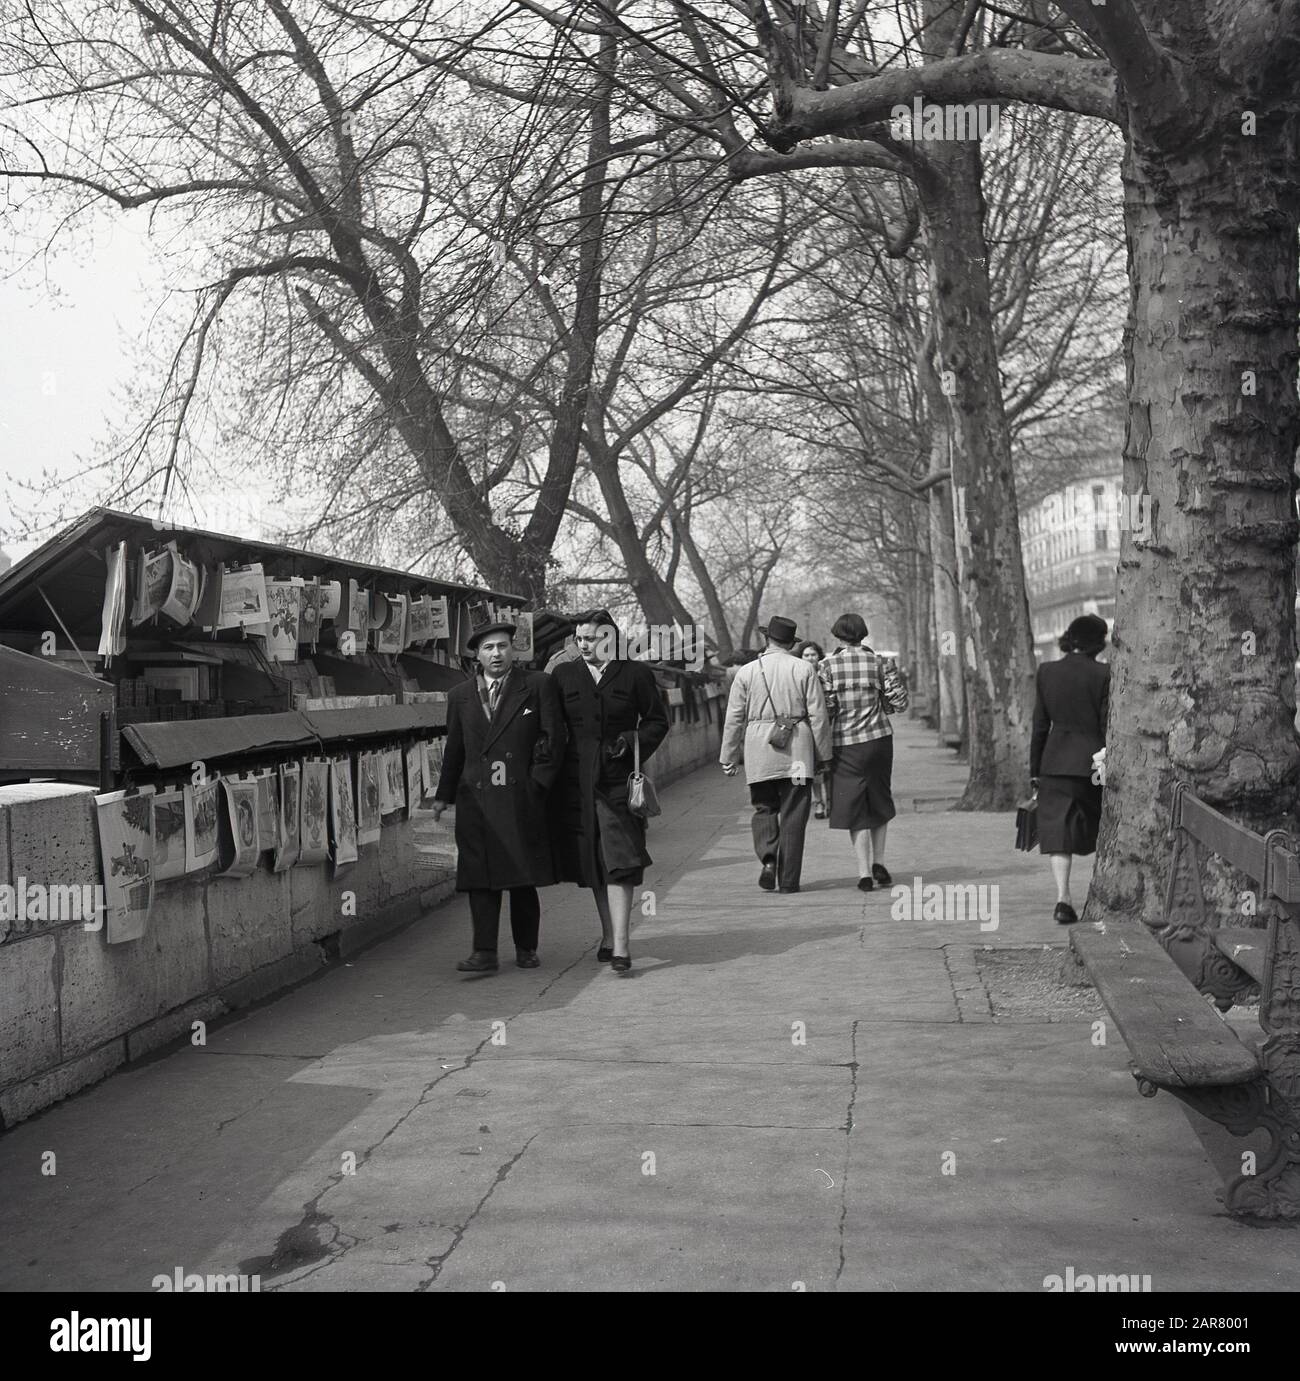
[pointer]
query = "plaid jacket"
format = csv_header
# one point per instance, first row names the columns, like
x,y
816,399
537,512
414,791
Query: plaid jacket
x,y
854,676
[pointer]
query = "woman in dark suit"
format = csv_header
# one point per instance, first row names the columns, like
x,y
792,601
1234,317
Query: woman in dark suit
x,y
600,843
1069,728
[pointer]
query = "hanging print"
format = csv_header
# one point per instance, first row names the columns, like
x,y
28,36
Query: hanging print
x,y
125,823
368,823
309,611
268,810
315,803
153,580
331,601
414,756
201,825
112,619
392,790
243,597
286,850
242,808
183,590
419,619
283,604
168,835
432,764
343,819
440,627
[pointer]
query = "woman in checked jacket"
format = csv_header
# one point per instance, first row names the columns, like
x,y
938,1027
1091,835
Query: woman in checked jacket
x,y
862,799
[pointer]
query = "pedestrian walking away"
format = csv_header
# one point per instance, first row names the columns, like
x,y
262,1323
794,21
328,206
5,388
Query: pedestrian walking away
x,y
1070,709
505,743
778,726
608,705
862,800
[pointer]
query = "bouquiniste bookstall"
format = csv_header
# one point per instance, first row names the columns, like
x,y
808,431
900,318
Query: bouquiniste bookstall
x,y
236,704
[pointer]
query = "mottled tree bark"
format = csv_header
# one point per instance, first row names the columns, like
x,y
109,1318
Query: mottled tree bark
x,y
997,645
1203,686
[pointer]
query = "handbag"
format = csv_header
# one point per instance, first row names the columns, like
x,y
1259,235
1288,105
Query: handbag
x,y
783,725
895,688
642,798
1027,824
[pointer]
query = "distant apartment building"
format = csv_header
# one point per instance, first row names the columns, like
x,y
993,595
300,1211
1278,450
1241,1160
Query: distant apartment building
x,y
1070,544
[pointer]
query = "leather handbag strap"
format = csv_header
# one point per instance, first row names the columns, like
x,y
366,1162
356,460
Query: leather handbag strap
x,y
772,702
766,687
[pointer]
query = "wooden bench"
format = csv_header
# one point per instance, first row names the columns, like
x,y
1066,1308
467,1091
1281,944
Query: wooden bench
x,y
1242,1097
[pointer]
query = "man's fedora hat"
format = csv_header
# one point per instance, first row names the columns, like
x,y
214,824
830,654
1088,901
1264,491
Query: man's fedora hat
x,y
780,630
479,634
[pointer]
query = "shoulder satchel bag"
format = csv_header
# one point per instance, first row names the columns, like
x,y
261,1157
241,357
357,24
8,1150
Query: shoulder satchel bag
x,y
783,728
642,798
895,690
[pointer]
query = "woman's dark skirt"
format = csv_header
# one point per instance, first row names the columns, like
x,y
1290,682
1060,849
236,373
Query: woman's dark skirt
x,y
861,794
1069,814
620,841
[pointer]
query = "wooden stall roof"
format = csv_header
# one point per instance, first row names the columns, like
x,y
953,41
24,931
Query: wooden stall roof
x,y
177,743
172,743
70,568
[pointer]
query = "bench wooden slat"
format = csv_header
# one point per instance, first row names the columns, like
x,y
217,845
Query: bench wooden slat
x,y
1174,1036
1246,948
1242,847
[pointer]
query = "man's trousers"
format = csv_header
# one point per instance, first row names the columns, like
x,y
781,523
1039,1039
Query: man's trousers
x,y
781,810
525,916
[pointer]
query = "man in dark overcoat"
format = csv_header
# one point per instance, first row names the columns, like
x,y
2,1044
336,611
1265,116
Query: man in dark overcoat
x,y
505,744
609,704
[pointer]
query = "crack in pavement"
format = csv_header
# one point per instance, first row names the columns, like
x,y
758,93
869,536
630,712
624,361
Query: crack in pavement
x,y
848,1132
438,1262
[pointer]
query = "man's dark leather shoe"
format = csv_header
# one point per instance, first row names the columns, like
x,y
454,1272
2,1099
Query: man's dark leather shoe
x,y
1064,914
789,889
527,959
866,885
767,878
481,961
881,875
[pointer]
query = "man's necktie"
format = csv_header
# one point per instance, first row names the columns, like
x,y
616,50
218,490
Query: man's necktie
x,y
494,694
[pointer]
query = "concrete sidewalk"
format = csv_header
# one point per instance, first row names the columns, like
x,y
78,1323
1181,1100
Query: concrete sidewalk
x,y
786,1092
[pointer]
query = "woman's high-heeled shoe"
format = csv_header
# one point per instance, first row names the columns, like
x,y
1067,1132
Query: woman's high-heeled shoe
x,y
620,963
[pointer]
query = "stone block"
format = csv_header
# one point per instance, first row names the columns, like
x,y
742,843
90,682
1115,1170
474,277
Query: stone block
x,y
108,989
22,1100
273,978
313,908
249,923
50,840
29,1008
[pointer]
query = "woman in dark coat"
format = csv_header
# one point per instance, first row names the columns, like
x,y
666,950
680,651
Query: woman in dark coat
x,y
600,843
1069,728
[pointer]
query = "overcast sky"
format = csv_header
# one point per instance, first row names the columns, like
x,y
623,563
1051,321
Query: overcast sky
x,y
68,322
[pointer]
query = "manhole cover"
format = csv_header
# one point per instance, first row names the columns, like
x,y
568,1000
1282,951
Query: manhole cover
x,y
1028,983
